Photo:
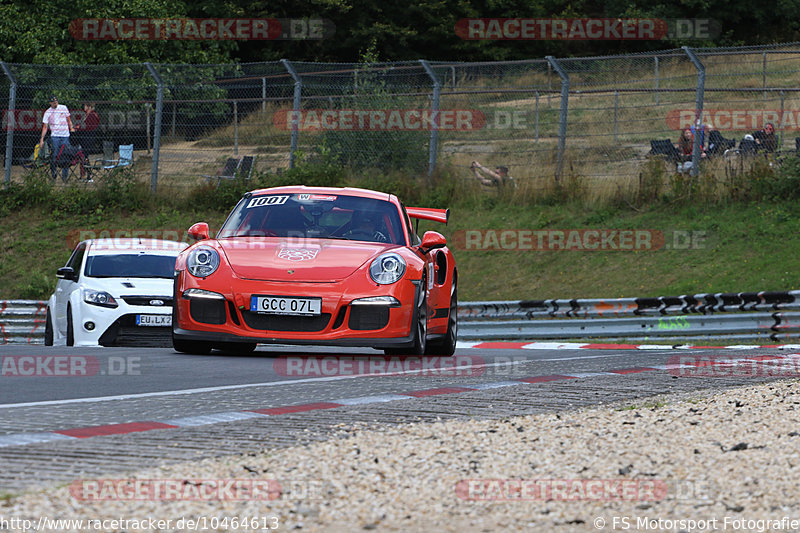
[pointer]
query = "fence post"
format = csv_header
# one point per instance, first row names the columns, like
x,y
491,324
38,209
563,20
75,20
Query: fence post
x,y
562,121
434,145
298,91
157,134
698,113
616,115
235,128
780,121
764,75
264,96
147,107
536,119
656,73
12,102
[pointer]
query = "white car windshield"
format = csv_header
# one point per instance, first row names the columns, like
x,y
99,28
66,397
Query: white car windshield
x,y
130,266
324,216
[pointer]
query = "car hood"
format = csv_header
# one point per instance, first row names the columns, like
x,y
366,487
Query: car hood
x,y
131,286
312,260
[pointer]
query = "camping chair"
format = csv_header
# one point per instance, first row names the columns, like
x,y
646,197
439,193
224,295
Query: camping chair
x,y
234,167
246,167
108,163
40,157
717,144
72,157
666,148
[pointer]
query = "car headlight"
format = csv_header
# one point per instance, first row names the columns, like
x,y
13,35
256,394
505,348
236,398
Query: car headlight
x,y
202,261
101,298
387,268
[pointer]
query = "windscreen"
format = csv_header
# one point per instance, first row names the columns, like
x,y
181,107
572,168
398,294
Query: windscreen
x,y
131,266
315,216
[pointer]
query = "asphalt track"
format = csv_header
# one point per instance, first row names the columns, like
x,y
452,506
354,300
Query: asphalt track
x,y
71,412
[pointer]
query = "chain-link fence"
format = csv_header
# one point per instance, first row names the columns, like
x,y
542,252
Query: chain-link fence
x,y
547,120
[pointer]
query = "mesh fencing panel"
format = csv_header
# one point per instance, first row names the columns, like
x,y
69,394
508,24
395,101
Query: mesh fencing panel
x,y
415,116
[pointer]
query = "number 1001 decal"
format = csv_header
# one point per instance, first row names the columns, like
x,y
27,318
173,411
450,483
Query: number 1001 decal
x,y
267,200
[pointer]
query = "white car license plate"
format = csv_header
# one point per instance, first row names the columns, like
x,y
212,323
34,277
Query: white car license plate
x,y
285,305
153,320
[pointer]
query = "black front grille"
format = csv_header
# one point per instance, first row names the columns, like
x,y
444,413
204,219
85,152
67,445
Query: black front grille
x,y
207,311
286,322
145,300
368,317
125,332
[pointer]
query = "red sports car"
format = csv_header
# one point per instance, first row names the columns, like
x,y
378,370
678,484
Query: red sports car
x,y
317,265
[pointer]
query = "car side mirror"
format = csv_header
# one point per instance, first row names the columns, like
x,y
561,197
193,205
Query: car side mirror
x,y
431,241
66,273
199,231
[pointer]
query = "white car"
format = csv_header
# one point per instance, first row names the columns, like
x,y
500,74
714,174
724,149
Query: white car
x,y
114,292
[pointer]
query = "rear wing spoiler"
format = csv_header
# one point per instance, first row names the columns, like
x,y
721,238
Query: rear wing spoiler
x,y
425,213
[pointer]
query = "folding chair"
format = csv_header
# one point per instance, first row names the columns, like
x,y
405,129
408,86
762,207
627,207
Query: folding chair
x,y
246,167
40,157
228,171
72,157
666,148
717,144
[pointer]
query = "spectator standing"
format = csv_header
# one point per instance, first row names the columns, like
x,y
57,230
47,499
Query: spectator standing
x,y
88,129
57,119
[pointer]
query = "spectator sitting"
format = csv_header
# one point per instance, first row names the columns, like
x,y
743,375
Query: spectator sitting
x,y
496,178
685,149
766,139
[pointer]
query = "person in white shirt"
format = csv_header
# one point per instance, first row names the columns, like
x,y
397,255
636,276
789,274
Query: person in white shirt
x,y
57,118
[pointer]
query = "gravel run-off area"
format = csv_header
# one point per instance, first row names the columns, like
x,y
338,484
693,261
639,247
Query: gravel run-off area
x,y
726,461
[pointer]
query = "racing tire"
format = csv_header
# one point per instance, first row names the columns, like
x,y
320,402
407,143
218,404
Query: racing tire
x,y
48,329
447,345
191,347
70,332
420,328
236,348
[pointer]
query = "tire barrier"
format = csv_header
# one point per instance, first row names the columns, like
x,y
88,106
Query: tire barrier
x,y
22,321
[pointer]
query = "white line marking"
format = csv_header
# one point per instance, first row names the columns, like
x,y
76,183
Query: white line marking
x,y
363,400
18,439
213,418
232,387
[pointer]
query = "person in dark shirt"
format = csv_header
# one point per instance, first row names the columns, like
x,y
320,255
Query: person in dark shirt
x,y
87,131
766,139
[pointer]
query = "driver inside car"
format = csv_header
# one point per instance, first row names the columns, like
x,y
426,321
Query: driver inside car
x,y
364,227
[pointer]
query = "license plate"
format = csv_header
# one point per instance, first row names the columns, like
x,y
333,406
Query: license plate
x,y
285,305
153,320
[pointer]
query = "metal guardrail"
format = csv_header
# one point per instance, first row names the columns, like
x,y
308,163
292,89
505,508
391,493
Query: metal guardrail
x,y
746,316
22,321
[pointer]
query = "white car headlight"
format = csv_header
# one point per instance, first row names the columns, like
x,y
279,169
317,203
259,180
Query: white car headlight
x,y
101,298
202,261
387,268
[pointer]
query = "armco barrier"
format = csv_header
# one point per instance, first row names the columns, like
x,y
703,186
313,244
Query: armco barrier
x,y
746,316
22,321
